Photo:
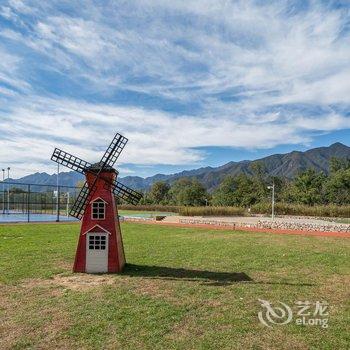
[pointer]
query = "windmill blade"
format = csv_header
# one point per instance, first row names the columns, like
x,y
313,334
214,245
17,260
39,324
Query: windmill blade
x,y
114,149
82,200
126,193
70,161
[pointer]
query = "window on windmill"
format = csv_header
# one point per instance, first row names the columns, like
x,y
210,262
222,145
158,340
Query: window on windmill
x,y
97,242
103,242
98,210
92,242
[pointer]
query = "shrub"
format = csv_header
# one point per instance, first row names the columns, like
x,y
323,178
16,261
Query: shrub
x,y
260,208
303,210
150,207
211,211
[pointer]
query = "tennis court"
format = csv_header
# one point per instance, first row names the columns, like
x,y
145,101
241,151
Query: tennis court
x,y
41,217
19,217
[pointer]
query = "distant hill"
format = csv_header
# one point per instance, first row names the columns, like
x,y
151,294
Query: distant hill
x,y
284,165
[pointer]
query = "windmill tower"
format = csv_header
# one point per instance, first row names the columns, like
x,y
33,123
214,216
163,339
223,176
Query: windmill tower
x,y
100,247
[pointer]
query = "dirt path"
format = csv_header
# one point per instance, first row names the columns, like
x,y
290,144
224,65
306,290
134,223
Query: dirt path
x,y
226,228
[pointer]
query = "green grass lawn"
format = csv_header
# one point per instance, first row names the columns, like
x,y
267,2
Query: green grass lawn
x,y
184,288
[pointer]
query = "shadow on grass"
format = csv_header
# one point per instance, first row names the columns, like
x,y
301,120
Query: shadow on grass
x,y
212,278
170,273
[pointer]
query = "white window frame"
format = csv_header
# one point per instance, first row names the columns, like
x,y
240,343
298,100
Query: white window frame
x,y
98,201
97,241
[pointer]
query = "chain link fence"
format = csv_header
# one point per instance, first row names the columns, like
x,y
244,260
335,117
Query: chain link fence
x,y
25,202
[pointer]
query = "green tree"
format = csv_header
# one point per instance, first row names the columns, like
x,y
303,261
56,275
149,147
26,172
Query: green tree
x,y
258,169
337,186
336,164
247,192
260,180
146,199
236,191
306,188
188,192
225,195
159,193
17,190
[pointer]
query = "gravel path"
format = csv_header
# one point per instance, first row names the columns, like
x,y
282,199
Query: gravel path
x,y
253,219
260,222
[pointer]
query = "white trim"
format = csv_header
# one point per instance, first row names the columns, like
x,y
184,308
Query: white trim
x,y
97,259
98,198
100,227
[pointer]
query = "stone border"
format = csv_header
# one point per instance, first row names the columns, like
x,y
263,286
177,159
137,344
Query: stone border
x,y
272,225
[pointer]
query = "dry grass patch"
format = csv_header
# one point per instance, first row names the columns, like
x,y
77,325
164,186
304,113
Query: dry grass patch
x,y
31,316
272,339
77,282
335,291
154,288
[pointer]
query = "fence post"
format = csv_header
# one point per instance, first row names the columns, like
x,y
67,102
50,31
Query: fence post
x,y
3,191
28,204
8,193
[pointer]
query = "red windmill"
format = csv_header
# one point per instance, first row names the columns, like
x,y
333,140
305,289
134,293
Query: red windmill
x,y
100,246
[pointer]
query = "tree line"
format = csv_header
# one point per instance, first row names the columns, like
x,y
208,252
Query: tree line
x,y
308,187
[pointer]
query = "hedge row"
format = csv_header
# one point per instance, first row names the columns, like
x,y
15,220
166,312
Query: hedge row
x,y
261,208
303,210
212,211
151,207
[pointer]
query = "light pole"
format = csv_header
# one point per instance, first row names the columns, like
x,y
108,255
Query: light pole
x,y
3,191
272,187
8,191
67,204
58,194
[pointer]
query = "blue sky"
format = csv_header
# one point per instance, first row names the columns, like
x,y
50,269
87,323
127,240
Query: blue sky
x,y
190,83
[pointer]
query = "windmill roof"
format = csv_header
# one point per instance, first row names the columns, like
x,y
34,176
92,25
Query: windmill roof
x,y
97,167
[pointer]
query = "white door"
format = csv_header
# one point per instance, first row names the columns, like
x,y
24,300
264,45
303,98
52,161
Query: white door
x,y
97,252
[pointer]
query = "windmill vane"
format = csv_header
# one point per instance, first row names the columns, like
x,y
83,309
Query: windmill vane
x,y
100,246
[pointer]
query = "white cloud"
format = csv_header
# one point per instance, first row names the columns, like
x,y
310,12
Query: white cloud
x,y
9,72
258,75
84,129
237,44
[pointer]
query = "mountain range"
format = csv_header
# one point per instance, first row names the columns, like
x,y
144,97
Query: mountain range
x,y
283,165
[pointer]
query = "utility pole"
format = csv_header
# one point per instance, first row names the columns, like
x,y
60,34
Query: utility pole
x,y
3,191
67,204
58,194
8,191
272,187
